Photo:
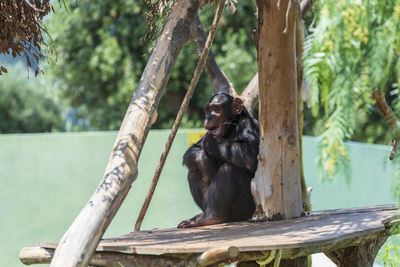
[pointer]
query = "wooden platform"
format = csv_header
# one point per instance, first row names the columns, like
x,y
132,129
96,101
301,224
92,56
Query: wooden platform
x,y
317,231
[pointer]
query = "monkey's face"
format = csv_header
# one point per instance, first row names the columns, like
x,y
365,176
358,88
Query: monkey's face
x,y
218,112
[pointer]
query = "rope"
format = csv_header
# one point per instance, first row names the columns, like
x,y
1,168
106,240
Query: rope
x,y
181,111
272,256
277,261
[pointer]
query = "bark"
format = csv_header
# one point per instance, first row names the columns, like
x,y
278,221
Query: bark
x,y
219,81
38,255
305,5
362,255
276,186
390,118
251,90
250,94
217,255
78,244
305,193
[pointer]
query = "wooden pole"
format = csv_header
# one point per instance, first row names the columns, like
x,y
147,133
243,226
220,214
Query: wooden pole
x,y
276,186
218,79
78,244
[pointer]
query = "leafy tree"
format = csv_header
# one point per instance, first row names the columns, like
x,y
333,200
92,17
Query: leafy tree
x,y
27,105
100,58
22,30
353,49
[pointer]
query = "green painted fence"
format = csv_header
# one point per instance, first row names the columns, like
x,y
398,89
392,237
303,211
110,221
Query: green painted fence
x,y
46,179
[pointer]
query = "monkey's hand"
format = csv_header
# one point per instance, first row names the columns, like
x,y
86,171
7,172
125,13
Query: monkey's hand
x,y
214,146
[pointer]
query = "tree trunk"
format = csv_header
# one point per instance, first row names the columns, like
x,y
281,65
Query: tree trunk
x,y
78,244
362,255
276,186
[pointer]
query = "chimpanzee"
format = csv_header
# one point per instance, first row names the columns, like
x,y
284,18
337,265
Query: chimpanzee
x,y
222,163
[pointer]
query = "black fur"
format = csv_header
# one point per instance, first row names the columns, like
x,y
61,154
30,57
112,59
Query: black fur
x,y
221,167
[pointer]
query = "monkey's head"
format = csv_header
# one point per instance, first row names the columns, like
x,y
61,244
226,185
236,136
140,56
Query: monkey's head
x,y
221,113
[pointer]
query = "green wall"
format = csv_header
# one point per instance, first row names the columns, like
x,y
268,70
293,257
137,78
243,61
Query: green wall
x,y
46,179
370,178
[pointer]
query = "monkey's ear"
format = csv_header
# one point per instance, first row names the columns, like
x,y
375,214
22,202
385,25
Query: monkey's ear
x,y
237,105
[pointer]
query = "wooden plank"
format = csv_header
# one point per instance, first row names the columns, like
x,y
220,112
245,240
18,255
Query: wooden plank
x,y
106,258
39,255
316,229
355,210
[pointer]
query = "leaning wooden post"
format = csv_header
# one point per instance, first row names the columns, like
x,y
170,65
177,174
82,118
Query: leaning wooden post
x,y
78,244
276,186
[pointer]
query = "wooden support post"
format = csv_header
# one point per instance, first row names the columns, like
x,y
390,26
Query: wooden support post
x,y
276,186
362,255
78,244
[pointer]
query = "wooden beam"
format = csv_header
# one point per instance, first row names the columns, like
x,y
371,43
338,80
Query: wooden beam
x,y
36,255
250,94
219,80
276,186
78,244
39,255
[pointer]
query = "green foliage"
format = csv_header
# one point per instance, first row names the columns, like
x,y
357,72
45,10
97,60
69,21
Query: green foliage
x,y
353,49
100,58
27,105
389,254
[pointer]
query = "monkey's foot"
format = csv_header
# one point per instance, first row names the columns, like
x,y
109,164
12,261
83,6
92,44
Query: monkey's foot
x,y
199,220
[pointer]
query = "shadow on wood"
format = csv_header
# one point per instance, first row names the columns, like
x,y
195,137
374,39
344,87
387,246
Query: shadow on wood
x,y
340,234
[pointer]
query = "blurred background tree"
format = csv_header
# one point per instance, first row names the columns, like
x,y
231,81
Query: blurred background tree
x,y
27,105
100,58
22,30
353,48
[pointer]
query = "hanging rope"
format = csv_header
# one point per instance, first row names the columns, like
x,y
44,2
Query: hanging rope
x,y
272,256
181,111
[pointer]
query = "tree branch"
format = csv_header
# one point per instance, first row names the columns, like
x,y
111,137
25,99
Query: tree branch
x,y
33,7
219,81
250,94
390,118
305,5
